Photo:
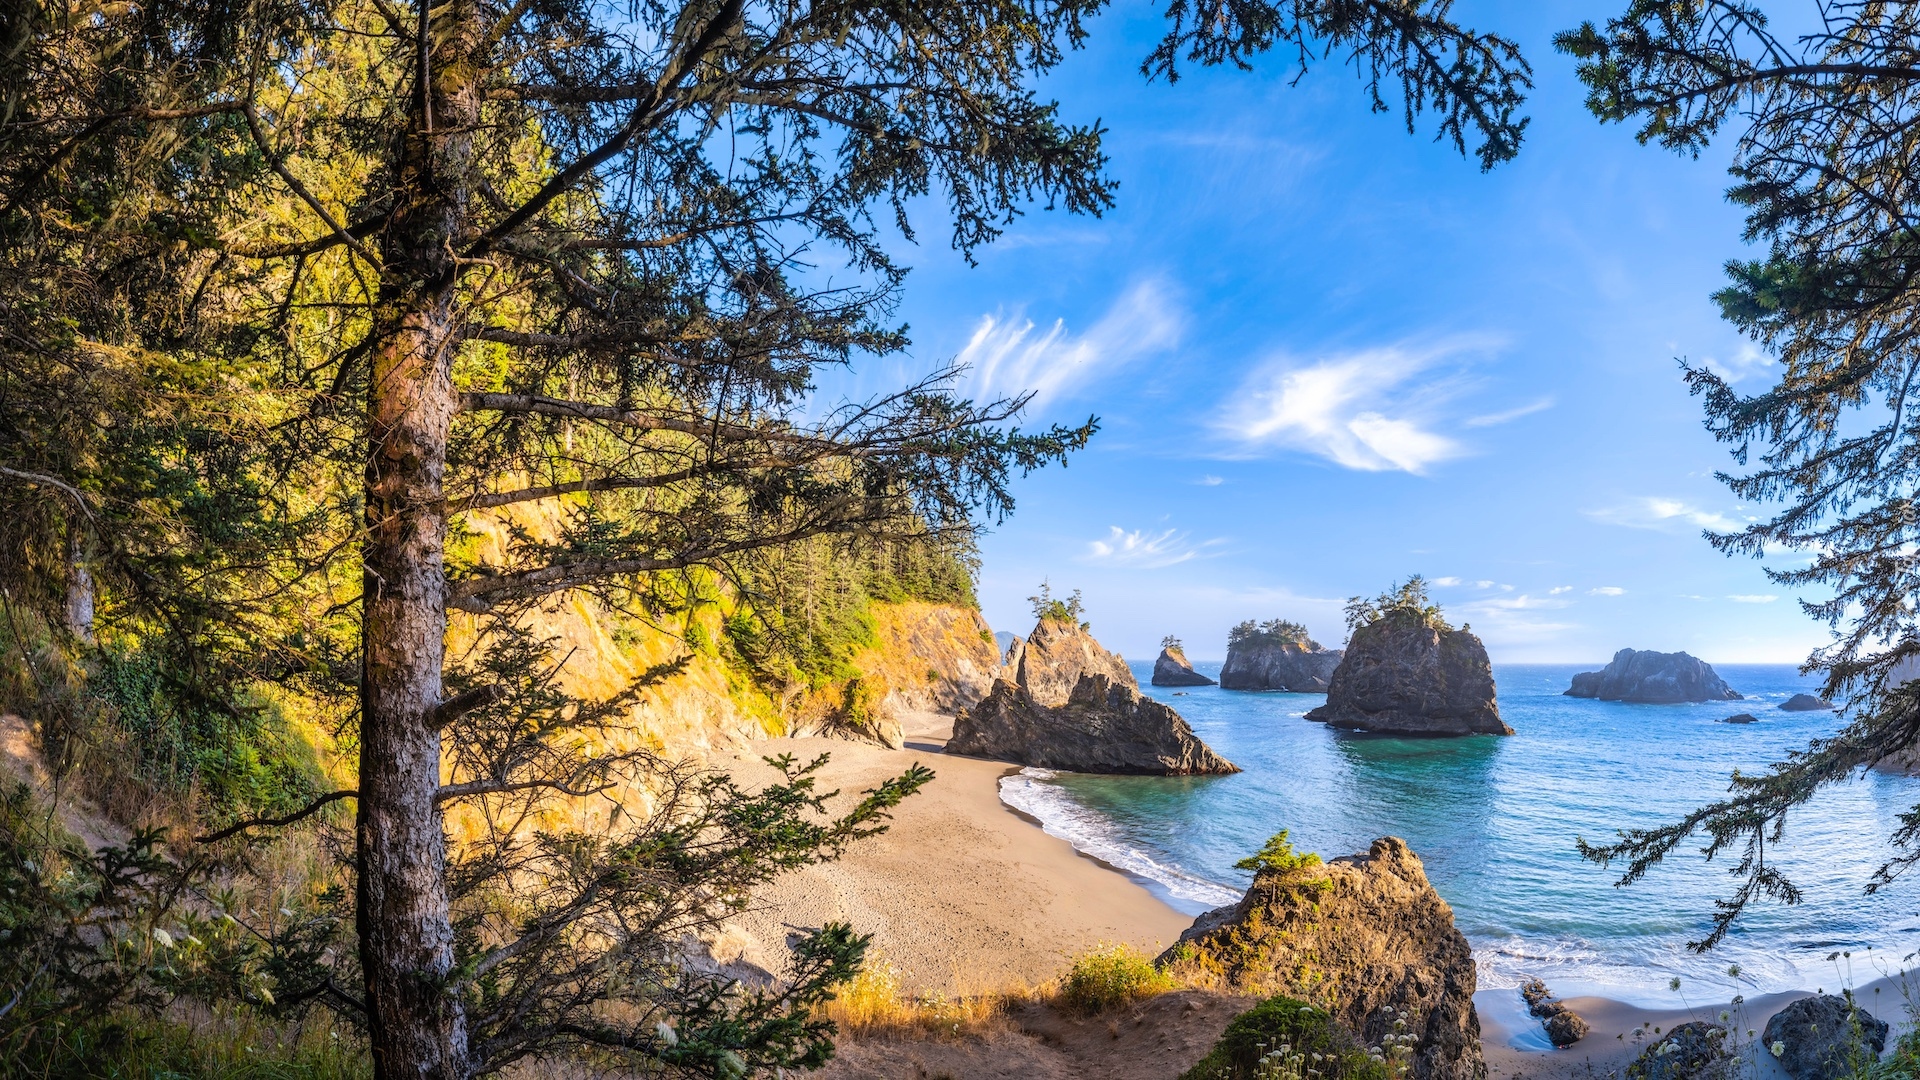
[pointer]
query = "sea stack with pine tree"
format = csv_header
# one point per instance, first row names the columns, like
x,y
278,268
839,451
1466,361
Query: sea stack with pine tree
x,y
1277,655
1407,671
1101,723
1172,668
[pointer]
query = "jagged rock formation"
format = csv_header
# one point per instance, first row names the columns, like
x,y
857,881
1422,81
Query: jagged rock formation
x,y
1695,1050
1652,677
1048,663
1820,1036
1173,669
1401,676
1103,727
1366,931
1261,663
1563,1026
1806,703
1741,718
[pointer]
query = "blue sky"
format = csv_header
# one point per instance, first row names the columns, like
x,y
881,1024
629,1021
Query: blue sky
x,y
1327,355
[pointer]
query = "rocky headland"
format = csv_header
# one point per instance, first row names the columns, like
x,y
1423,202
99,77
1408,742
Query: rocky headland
x,y
1366,933
1652,678
1403,674
1262,662
1172,668
1101,723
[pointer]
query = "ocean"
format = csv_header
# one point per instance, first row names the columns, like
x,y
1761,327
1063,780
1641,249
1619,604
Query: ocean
x,y
1495,819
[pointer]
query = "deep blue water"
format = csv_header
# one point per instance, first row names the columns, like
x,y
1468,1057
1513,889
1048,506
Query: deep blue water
x,y
1495,818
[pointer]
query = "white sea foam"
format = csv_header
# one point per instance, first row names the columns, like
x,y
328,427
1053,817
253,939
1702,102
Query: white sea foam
x,y
1091,834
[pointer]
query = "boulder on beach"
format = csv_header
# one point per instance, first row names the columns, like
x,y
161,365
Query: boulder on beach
x,y
1824,1036
1403,675
1654,678
1564,1027
1695,1050
1173,669
1103,727
1741,718
1806,703
1369,924
1277,656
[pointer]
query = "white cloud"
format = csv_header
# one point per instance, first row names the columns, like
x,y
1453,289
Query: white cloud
x,y
1750,360
1607,590
1752,598
1446,582
1558,589
1654,512
1494,419
1370,411
1006,357
1210,480
1145,550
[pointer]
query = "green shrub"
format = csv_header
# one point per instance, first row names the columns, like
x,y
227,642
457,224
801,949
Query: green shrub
x,y
1277,855
1112,975
1285,1037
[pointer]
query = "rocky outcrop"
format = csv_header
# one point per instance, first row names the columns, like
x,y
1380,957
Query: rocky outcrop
x,y
1806,703
1261,663
1821,1037
1173,669
1366,931
1653,678
1401,676
1103,727
1564,1027
1695,1050
1741,718
1048,663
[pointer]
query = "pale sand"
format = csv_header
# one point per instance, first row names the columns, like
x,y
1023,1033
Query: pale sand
x,y
960,894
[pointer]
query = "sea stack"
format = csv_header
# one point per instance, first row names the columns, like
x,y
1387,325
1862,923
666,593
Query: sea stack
x,y
1404,674
1277,655
1369,924
1806,703
1100,723
1652,678
1172,668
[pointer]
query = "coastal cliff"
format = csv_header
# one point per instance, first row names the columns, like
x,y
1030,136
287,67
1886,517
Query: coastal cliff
x,y
1365,936
1403,675
1652,678
1264,664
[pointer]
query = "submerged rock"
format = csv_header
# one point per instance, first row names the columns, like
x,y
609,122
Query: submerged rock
x,y
1806,703
1049,663
1822,1037
1563,1026
1371,925
1103,727
1654,678
1401,676
1741,718
1690,1051
1262,663
1173,669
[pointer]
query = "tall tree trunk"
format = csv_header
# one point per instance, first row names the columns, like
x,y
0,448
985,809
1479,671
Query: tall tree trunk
x,y
416,1024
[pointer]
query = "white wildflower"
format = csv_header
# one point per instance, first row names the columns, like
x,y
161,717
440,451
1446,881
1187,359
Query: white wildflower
x,y
1777,1049
666,1033
162,938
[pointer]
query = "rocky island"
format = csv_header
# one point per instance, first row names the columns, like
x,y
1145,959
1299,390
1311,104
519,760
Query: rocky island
x,y
1406,671
1653,678
1277,655
1172,668
1071,704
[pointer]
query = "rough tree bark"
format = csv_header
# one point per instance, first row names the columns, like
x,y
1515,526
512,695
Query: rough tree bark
x,y
417,1028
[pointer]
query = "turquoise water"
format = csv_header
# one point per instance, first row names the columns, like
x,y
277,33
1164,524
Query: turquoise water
x,y
1494,819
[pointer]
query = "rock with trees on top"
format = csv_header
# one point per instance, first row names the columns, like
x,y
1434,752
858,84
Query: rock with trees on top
x,y
1276,655
1407,671
1172,668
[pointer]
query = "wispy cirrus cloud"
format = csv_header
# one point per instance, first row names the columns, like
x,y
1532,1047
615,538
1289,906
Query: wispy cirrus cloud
x,y
1008,355
1508,415
1372,410
1607,590
1654,512
1753,598
1141,549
